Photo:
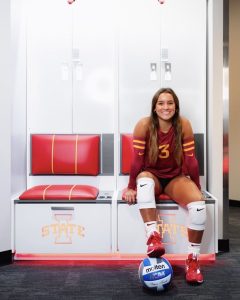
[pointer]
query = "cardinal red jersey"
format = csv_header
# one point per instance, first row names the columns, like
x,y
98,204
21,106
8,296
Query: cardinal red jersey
x,y
166,165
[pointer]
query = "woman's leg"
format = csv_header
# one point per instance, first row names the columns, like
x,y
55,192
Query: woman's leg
x,y
148,214
184,191
147,186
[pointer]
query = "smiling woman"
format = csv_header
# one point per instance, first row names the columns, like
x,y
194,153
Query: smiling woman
x,y
164,161
165,109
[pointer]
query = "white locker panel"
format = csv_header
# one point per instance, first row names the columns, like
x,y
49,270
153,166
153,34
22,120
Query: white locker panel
x,y
139,47
93,65
173,36
49,75
172,224
62,228
183,37
184,40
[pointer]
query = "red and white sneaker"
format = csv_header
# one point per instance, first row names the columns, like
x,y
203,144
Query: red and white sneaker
x,y
155,247
193,272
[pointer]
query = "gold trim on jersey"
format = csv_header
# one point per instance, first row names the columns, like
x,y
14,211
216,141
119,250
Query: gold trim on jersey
x,y
188,149
139,141
189,143
138,147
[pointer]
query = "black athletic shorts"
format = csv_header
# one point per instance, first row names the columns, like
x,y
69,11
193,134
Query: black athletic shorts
x,y
164,182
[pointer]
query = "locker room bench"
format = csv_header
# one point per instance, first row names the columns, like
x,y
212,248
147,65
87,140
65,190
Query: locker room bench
x,y
61,219
172,219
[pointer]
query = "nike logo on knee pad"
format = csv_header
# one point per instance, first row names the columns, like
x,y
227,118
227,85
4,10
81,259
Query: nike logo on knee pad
x,y
141,185
199,209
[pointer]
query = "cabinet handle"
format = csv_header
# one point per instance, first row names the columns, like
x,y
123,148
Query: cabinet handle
x,y
61,208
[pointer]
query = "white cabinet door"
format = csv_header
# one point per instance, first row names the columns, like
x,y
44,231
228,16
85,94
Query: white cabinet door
x,y
49,83
139,47
183,36
173,36
93,66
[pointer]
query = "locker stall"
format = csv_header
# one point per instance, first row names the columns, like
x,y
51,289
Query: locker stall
x,y
171,51
92,68
168,54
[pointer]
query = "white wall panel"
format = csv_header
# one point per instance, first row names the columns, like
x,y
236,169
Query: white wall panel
x,y
93,66
18,84
5,125
49,77
215,111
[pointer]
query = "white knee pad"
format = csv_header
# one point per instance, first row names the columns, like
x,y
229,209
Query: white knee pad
x,y
197,215
146,193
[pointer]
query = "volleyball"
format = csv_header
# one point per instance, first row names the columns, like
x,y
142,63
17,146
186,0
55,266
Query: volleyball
x,y
155,273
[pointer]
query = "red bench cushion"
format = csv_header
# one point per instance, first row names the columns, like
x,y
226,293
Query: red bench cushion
x,y
159,197
60,192
126,153
65,154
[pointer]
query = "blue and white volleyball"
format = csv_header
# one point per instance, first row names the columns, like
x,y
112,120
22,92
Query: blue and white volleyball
x,y
155,273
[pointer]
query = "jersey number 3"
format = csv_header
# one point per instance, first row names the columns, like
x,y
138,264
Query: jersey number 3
x,y
164,152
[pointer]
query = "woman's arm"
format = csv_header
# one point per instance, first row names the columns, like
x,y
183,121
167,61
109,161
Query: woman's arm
x,y
188,144
139,146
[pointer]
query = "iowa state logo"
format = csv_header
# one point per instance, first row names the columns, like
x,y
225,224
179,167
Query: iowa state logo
x,y
168,228
63,230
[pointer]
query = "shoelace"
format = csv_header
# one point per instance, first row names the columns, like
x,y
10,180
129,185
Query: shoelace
x,y
153,239
193,264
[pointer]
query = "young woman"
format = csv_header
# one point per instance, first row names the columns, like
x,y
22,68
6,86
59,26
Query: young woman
x,y
164,161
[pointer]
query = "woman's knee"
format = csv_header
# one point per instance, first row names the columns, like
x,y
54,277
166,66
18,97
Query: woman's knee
x,y
145,174
197,215
148,175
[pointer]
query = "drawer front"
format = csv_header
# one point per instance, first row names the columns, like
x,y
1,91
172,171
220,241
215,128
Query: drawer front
x,y
62,228
172,225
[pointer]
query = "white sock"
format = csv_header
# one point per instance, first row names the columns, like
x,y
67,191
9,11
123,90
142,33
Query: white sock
x,y
150,227
194,248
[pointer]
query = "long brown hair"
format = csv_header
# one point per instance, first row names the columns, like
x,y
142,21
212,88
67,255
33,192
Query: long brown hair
x,y
154,127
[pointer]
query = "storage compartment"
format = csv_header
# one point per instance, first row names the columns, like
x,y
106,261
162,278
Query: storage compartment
x,y
172,225
56,228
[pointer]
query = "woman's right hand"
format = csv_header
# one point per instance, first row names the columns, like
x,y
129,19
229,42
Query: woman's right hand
x,y
130,196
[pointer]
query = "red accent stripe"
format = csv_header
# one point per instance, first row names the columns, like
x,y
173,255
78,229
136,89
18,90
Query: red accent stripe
x,y
112,258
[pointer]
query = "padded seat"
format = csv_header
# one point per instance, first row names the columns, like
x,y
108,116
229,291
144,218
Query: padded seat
x,y
64,154
60,192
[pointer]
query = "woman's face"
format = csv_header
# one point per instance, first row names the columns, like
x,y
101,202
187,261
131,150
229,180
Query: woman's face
x,y
165,107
